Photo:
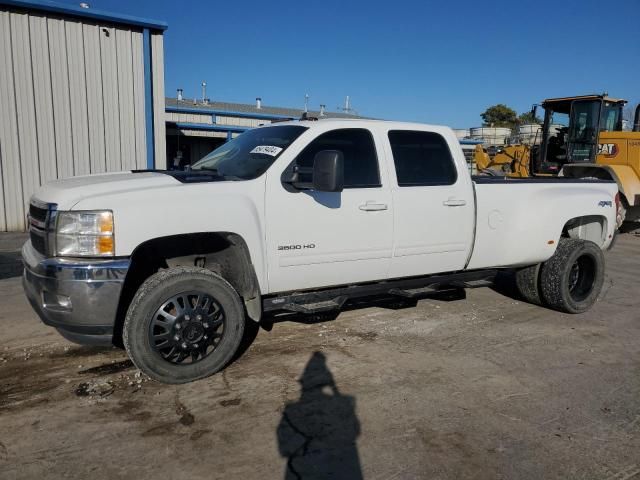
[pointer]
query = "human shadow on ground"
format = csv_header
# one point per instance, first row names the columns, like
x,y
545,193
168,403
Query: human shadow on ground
x,y
317,433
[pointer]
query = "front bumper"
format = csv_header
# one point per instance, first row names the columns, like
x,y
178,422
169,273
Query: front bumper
x,y
79,297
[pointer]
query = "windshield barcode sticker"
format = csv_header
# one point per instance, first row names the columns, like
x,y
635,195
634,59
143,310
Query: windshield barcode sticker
x,y
267,150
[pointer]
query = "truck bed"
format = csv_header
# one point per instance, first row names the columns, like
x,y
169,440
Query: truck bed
x,y
519,221
488,179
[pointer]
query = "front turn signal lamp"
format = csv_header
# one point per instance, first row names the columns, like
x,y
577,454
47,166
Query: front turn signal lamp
x,y
85,234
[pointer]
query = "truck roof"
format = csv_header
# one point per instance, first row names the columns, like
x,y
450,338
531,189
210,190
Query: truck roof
x,y
348,122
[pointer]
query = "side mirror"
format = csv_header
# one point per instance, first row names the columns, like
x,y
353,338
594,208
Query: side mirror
x,y
328,171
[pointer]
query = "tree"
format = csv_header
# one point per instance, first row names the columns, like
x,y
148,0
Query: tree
x,y
499,116
528,118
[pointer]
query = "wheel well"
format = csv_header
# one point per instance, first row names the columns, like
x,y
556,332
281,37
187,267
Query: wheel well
x,y
590,227
222,252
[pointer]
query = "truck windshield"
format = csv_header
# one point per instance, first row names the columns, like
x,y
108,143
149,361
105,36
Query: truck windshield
x,y
250,154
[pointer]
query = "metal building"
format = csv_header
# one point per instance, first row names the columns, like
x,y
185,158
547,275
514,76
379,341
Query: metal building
x,y
81,92
195,127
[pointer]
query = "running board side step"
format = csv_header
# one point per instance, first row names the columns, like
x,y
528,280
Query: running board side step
x,y
316,307
473,283
413,292
413,287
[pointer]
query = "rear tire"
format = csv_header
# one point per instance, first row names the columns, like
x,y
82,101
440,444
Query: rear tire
x,y
183,324
528,283
572,278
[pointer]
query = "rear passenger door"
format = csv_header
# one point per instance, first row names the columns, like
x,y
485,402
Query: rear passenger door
x,y
330,238
433,204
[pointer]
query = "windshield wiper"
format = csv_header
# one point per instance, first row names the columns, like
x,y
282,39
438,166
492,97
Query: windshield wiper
x,y
214,171
208,169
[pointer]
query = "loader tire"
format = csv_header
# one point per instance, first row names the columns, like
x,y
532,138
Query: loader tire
x,y
572,278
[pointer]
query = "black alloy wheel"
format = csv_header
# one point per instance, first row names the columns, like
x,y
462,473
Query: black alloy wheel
x,y
187,327
184,323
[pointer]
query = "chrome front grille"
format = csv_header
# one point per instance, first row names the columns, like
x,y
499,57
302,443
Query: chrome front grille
x,y
41,223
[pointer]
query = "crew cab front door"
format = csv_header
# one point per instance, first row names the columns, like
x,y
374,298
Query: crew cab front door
x,y
433,205
317,239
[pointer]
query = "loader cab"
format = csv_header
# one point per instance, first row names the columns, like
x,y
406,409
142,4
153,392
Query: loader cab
x,y
571,129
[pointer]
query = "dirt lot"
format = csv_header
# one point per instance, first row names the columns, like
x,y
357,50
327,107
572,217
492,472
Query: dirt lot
x,y
487,387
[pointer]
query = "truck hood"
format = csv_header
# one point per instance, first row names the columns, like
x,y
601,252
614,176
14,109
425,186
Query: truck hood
x,y
68,192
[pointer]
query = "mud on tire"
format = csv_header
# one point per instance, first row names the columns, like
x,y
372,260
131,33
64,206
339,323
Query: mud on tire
x,y
572,278
184,323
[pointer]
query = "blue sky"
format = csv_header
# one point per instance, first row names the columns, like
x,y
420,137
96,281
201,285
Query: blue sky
x,y
437,62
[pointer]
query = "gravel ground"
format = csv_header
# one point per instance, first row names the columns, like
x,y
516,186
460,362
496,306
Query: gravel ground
x,y
486,387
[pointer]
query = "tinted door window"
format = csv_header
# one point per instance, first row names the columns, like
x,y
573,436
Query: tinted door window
x,y
583,125
360,159
610,120
422,158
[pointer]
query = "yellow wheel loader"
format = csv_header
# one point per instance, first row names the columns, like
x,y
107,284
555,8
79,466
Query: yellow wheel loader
x,y
582,137
510,161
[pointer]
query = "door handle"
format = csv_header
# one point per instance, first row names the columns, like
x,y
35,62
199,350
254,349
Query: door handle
x,y
452,202
373,206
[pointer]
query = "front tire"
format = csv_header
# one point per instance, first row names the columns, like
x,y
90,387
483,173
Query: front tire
x,y
572,278
183,324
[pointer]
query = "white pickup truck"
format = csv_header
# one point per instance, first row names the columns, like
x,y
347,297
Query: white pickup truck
x,y
298,216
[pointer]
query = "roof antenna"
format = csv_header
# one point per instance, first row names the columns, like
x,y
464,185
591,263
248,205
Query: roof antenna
x,y
347,107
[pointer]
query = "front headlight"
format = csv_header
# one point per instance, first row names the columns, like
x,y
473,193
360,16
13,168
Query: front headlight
x,y
85,234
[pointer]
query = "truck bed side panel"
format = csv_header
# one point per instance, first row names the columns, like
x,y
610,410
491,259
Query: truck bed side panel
x,y
521,222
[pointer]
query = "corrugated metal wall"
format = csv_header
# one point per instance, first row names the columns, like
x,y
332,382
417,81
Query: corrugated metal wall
x,y
240,122
157,74
188,117
72,102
